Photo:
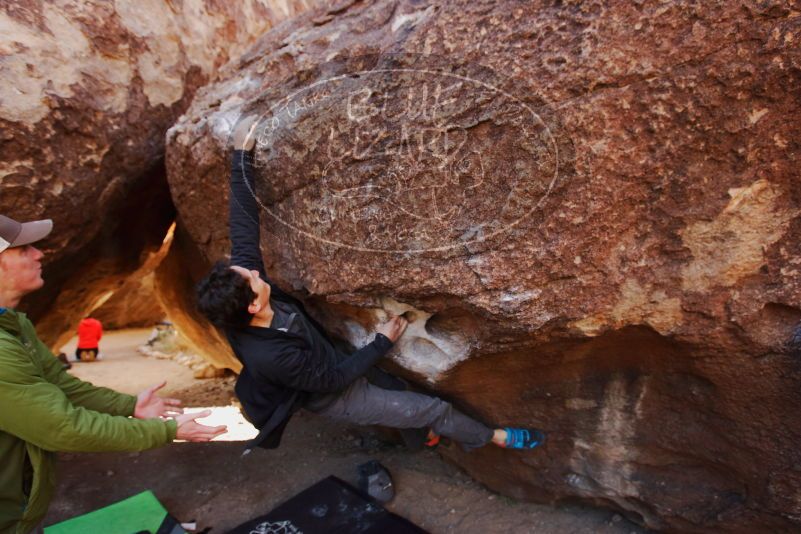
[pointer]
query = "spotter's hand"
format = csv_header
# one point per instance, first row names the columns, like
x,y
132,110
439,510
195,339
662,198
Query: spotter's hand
x,y
190,430
149,405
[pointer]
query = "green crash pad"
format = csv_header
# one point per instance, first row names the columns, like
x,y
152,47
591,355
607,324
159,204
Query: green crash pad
x,y
134,514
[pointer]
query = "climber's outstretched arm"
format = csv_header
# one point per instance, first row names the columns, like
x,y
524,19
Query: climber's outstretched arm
x,y
243,209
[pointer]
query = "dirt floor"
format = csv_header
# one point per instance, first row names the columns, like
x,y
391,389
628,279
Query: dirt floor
x,y
214,485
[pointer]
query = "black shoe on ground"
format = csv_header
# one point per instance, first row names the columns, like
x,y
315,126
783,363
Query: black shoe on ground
x,y
64,362
374,480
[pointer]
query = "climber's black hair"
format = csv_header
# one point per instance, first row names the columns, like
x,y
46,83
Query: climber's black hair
x,y
223,297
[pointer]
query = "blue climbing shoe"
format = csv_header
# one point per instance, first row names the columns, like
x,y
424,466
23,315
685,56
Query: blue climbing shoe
x,y
523,438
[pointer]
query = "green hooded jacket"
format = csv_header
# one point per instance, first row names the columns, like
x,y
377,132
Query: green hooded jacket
x,y
43,409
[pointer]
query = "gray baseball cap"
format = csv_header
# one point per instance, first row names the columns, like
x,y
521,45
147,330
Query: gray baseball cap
x,y
16,234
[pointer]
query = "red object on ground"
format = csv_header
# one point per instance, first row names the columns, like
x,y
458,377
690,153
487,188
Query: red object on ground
x,y
433,441
89,333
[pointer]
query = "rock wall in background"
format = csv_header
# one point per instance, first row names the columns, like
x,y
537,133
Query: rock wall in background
x,y
590,210
89,89
134,305
174,287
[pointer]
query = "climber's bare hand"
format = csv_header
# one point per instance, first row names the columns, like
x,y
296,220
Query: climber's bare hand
x,y
393,328
244,136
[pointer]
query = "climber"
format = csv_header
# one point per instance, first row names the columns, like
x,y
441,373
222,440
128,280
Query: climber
x,y
289,362
46,410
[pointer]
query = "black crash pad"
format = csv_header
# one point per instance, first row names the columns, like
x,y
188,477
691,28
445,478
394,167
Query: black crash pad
x,y
329,507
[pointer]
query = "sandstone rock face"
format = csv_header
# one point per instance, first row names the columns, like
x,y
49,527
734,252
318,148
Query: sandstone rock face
x,y
590,210
89,88
174,288
134,305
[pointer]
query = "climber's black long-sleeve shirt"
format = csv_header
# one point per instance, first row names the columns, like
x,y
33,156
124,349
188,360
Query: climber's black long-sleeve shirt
x,y
281,369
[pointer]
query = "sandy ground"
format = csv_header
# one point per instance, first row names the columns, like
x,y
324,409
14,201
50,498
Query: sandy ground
x,y
124,369
214,485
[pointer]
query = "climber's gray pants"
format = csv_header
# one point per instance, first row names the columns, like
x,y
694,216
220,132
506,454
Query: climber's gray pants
x,y
365,404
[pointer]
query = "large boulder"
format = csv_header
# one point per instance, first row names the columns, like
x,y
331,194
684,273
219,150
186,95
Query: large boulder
x,y
89,89
589,210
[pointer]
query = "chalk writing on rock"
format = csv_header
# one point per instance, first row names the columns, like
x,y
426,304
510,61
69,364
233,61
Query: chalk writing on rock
x,y
404,159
